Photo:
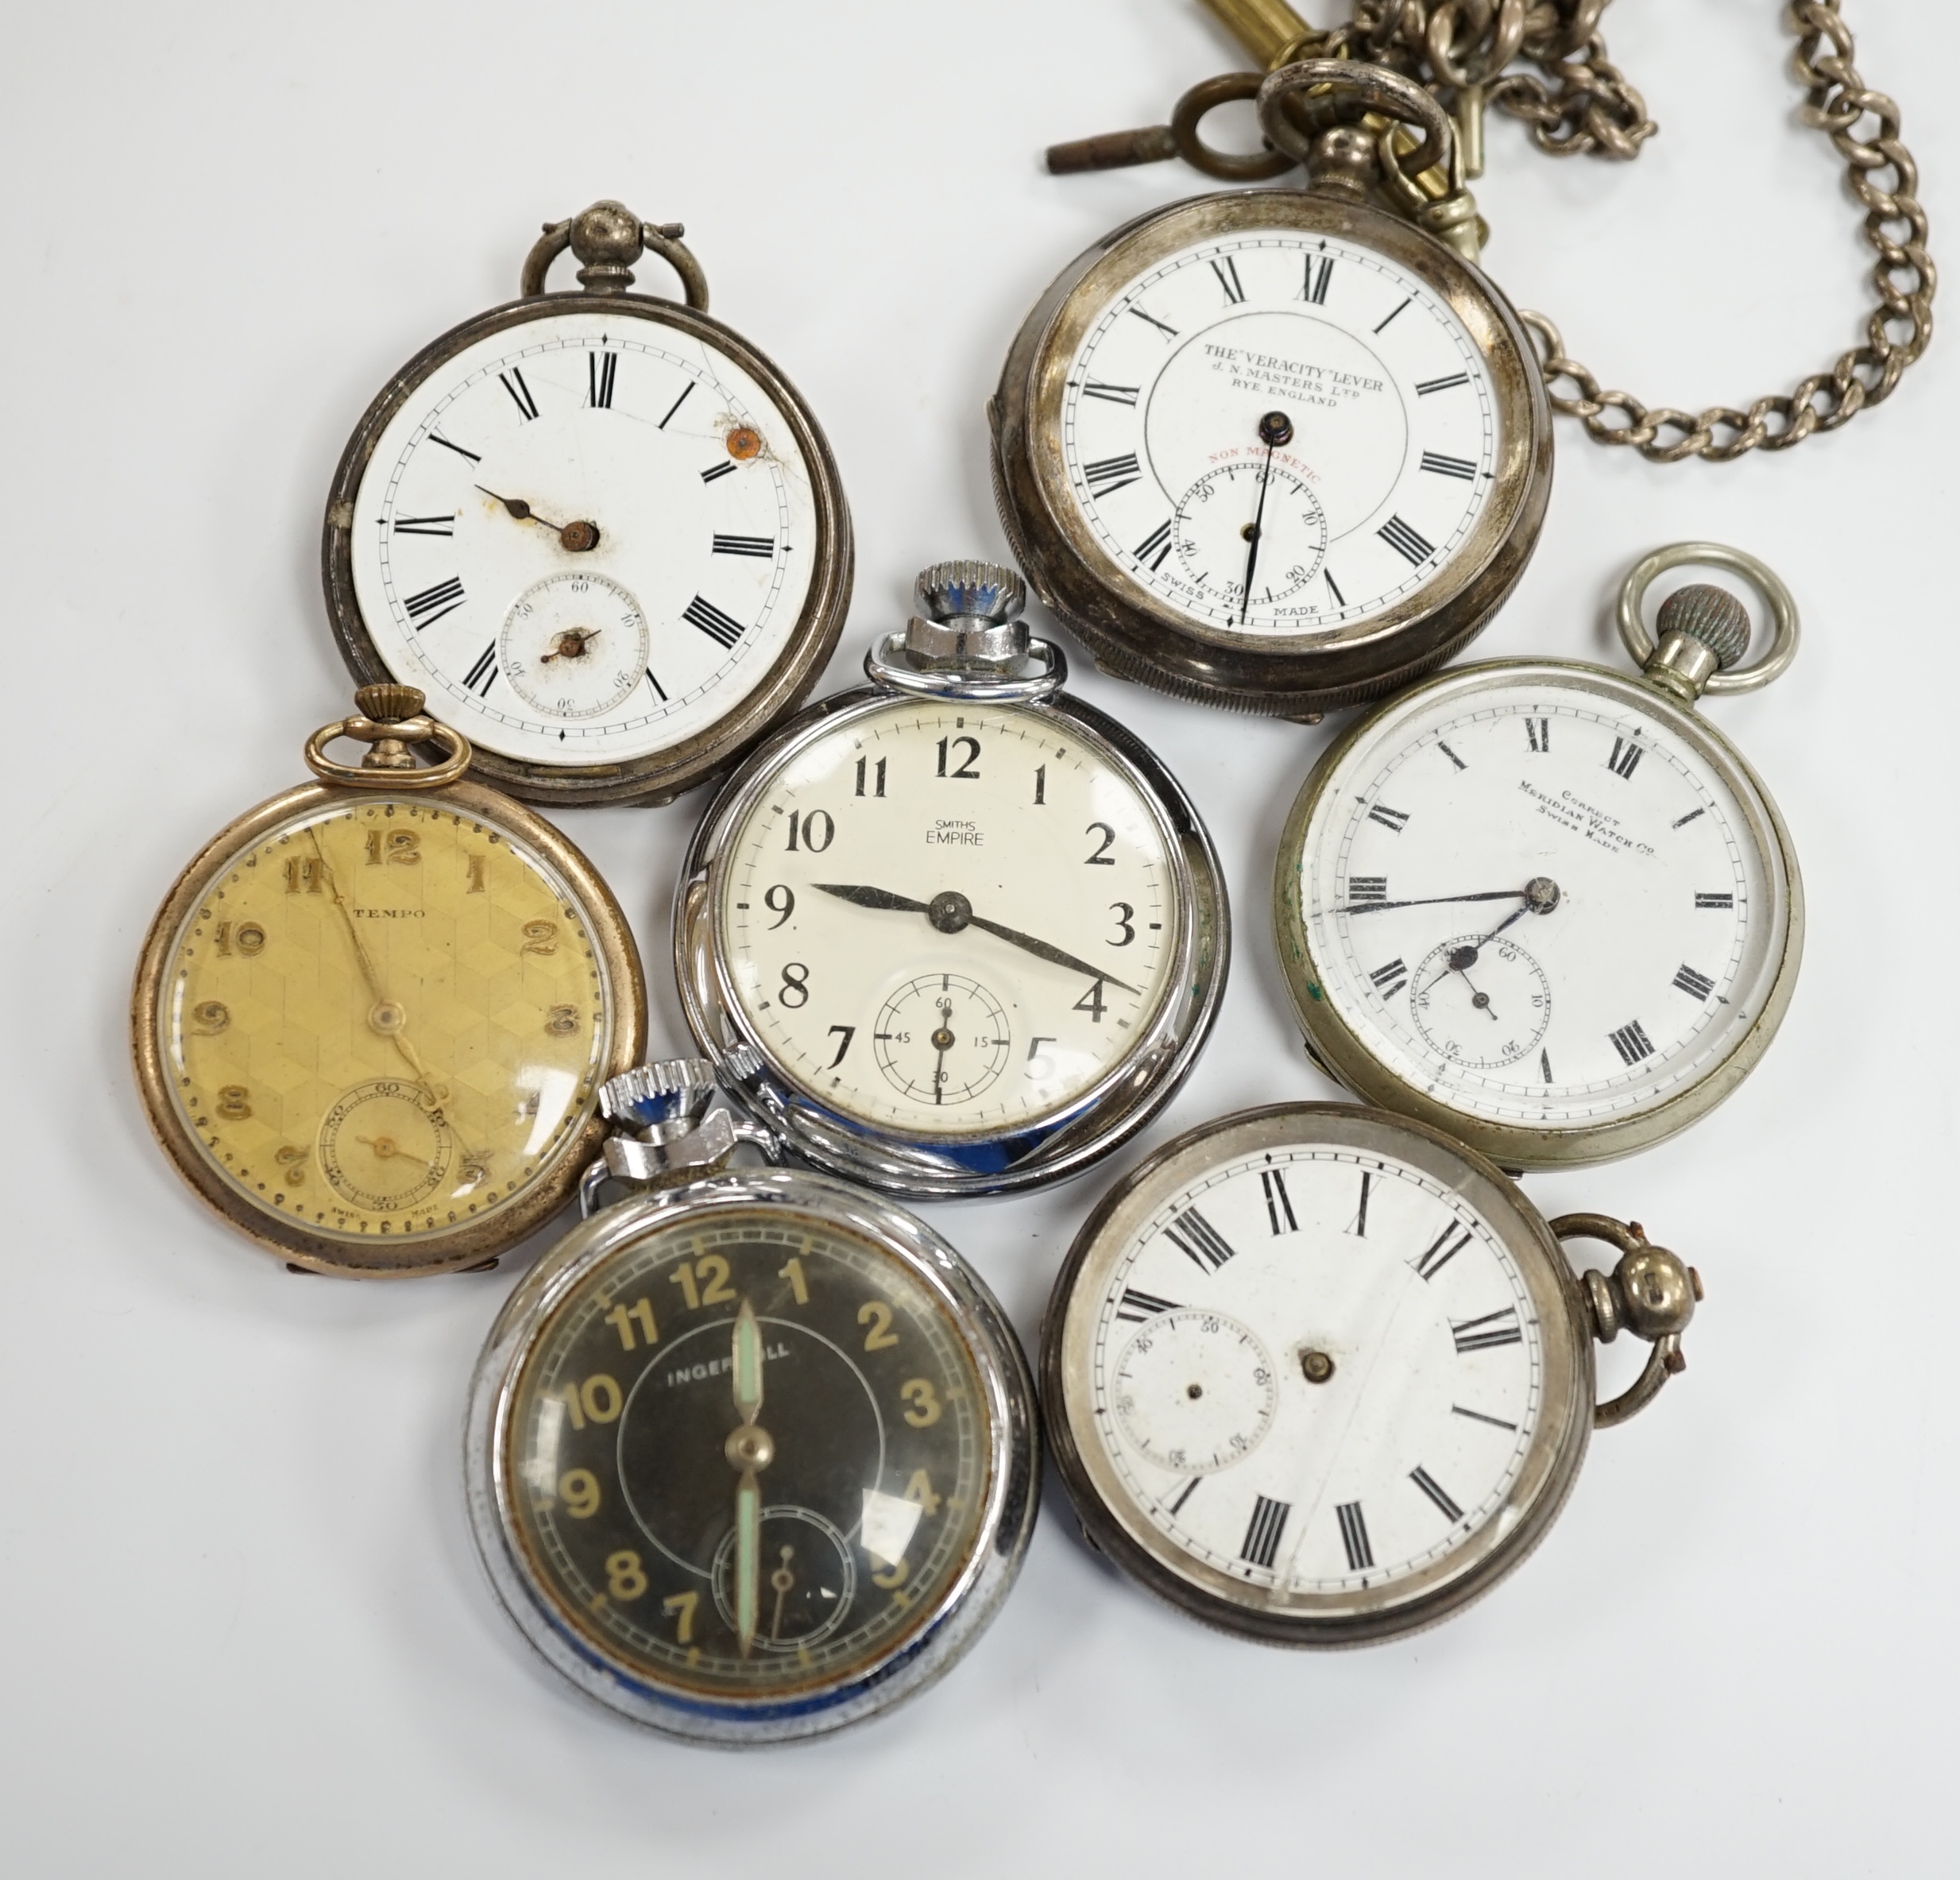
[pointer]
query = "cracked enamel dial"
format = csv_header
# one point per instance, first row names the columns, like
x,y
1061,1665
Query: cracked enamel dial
x,y
748,1455
950,919
1541,896
1316,1374
590,533
1390,433
384,1021
1375,1350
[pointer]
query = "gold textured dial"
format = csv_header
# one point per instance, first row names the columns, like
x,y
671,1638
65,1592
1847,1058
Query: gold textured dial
x,y
385,1017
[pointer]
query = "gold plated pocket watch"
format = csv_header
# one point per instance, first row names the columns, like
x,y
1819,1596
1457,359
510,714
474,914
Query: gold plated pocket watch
x,y
1280,449
1320,1375
599,529
1548,906
751,1454
956,933
372,1019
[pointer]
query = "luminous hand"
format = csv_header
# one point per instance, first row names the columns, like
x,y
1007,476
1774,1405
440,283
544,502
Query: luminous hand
x,y
750,1450
950,912
577,536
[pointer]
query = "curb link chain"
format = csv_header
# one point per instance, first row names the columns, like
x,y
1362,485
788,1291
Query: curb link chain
x,y
1587,107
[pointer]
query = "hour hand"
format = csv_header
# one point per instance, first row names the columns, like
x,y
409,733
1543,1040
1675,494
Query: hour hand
x,y
873,897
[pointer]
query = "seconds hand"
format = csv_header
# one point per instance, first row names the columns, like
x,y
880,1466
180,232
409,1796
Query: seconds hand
x,y
1275,428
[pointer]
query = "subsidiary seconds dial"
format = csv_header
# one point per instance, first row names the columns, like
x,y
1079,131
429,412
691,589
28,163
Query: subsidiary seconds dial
x,y
951,918
599,530
1390,431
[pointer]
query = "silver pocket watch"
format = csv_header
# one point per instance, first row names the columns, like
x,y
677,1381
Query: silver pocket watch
x,y
1280,450
750,1455
599,529
956,933
1548,906
1320,1375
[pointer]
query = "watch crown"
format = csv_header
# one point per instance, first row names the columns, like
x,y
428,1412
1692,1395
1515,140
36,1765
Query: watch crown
x,y
674,1089
1707,613
389,705
970,590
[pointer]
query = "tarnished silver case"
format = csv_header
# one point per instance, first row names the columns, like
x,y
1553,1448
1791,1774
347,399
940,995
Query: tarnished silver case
x,y
1499,1546
660,775
969,1602
947,1169
1135,635
1346,1058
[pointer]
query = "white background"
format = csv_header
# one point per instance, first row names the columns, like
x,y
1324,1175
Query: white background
x,y
241,1629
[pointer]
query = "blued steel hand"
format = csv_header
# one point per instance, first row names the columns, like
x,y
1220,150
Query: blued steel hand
x,y
1434,900
1275,428
951,911
577,536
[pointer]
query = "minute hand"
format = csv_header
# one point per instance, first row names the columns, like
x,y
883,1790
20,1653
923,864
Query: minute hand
x,y
1495,894
885,900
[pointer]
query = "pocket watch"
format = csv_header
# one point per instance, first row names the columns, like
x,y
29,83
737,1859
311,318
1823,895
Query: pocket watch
x,y
1279,448
752,1455
372,1019
600,529
1545,906
1320,1375
957,932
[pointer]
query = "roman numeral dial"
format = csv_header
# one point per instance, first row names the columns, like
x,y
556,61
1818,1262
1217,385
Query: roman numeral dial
x,y
1385,409
500,556
1538,898
1245,1329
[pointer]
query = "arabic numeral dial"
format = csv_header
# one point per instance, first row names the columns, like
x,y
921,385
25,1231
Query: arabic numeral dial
x,y
947,919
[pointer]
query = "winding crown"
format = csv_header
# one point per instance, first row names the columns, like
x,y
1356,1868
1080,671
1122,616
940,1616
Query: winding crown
x,y
970,590
1710,614
674,1088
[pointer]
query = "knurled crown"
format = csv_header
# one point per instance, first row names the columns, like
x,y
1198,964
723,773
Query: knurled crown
x,y
659,1092
1710,614
389,705
970,590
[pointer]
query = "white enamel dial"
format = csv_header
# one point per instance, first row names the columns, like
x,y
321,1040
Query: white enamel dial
x,y
1402,1357
1390,441
950,919
586,537
1543,896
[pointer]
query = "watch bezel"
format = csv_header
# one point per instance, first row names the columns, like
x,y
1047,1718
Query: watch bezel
x,y
1136,635
658,777
467,1245
1502,1541
966,1605
1345,1055
997,1161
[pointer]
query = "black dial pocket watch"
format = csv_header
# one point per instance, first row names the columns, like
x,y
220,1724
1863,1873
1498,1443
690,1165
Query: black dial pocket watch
x,y
599,529
373,1016
956,933
751,1454
1545,906
1280,449
1319,1375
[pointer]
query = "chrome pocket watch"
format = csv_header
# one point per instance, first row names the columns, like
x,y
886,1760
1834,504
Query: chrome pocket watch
x,y
600,529
1280,450
1320,1375
957,933
372,1019
1545,906
752,1455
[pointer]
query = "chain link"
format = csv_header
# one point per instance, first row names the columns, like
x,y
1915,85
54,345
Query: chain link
x,y
1582,106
